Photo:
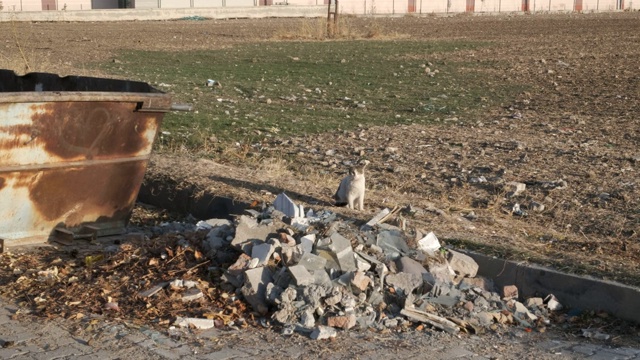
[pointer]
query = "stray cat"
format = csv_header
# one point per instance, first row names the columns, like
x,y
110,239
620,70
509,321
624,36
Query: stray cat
x,y
351,189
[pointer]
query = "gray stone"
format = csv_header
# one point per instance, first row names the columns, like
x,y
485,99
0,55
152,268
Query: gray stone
x,y
301,275
262,252
289,208
248,231
192,294
330,258
392,243
307,318
462,265
323,332
362,264
404,282
272,293
440,271
523,313
255,287
408,265
320,277
307,242
219,223
341,248
312,262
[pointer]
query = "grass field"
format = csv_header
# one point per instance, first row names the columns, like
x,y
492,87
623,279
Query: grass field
x,y
305,88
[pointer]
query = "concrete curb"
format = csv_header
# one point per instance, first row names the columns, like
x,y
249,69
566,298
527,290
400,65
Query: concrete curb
x,y
573,291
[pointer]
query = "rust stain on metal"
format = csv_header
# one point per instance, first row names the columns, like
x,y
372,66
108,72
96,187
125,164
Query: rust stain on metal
x,y
85,130
78,194
2,181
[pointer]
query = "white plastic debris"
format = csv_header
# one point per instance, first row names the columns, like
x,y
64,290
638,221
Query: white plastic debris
x,y
429,244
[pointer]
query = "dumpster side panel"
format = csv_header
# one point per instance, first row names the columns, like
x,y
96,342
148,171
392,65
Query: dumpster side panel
x,y
34,202
54,132
71,163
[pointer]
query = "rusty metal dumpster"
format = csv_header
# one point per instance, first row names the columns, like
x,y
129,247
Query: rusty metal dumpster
x,y
73,153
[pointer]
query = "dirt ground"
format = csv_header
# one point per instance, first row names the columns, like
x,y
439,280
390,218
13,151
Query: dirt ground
x,y
573,138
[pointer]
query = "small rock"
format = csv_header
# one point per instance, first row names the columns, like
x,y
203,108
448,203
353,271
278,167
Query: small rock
x,y
323,332
536,206
462,265
192,294
342,322
510,292
360,281
196,323
514,188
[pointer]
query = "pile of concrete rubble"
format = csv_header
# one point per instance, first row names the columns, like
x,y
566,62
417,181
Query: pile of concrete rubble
x,y
316,274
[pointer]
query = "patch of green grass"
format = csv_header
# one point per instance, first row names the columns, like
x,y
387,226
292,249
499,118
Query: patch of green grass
x,y
302,88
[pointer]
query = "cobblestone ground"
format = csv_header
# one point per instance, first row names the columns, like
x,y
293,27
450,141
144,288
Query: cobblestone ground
x,y
40,339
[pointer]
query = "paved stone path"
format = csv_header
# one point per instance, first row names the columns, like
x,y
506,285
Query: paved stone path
x,y
40,339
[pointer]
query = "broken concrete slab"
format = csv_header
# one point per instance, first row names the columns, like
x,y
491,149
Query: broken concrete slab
x,y
321,278
374,221
249,230
262,252
300,275
404,282
393,243
341,248
255,286
288,207
406,264
196,323
307,242
312,262
463,265
361,263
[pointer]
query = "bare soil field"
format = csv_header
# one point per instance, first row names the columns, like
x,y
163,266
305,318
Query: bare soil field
x,y
572,137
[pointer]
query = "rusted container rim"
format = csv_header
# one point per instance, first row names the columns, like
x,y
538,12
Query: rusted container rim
x,y
159,102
